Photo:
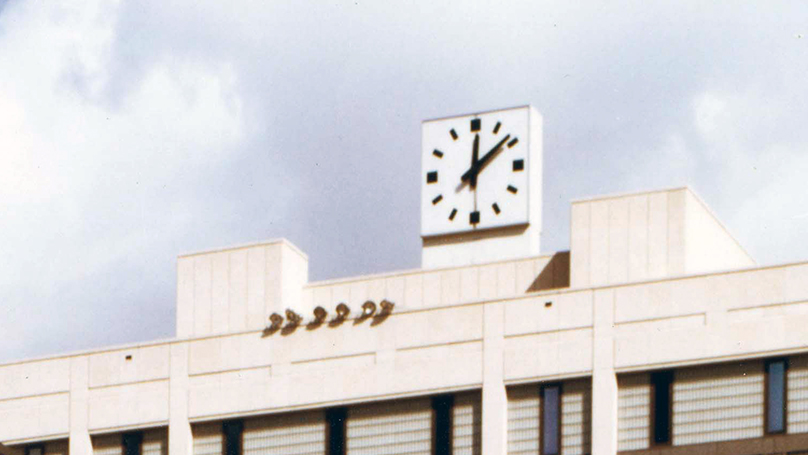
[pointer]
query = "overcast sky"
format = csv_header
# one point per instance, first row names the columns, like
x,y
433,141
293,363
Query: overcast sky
x,y
131,132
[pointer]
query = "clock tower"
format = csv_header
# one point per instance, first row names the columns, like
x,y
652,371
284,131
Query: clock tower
x,y
481,187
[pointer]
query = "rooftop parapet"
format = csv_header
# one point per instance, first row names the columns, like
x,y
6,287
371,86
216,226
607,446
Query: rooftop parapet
x,y
641,236
236,289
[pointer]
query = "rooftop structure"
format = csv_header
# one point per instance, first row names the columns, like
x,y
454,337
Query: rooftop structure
x,y
655,334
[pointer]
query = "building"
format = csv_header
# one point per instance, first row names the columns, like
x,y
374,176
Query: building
x,y
655,334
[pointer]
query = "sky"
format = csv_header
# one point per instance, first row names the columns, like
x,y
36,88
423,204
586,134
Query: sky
x,y
132,132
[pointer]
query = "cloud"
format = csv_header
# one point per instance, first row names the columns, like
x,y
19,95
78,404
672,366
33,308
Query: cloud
x,y
764,165
131,132
80,177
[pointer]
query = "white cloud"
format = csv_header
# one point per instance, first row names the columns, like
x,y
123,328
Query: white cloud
x,y
758,171
134,131
78,174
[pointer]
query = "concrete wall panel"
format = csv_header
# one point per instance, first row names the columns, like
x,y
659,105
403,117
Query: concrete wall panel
x,y
450,287
34,378
185,297
414,291
256,288
233,352
414,370
143,364
619,233
202,294
548,355
432,289
580,252
450,325
716,342
220,293
469,284
34,417
237,291
599,243
131,404
657,235
568,310
638,238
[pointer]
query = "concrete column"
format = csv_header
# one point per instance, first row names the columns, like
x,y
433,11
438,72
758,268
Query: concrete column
x,y
80,443
180,440
495,400
604,380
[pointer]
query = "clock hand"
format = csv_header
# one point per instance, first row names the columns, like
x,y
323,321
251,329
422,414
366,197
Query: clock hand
x,y
479,164
475,154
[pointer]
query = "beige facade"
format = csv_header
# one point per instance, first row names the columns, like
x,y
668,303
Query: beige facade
x,y
653,283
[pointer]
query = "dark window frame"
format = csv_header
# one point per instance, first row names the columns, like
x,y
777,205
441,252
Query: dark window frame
x,y
560,415
766,384
336,431
655,380
132,443
31,447
442,424
231,428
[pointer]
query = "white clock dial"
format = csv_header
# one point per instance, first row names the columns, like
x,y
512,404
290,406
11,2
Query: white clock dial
x,y
475,172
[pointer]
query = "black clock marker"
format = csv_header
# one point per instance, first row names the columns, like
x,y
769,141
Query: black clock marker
x,y
496,208
437,153
513,142
437,199
475,125
452,215
474,217
512,189
518,165
432,177
496,128
453,133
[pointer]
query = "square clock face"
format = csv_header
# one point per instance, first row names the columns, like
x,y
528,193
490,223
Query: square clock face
x,y
475,172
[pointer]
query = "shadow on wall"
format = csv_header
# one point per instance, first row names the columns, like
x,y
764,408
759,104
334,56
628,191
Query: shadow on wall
x,y
554,275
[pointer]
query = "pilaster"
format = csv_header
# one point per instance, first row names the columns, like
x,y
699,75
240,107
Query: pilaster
x,y
604,380
180,440
495,400
80,443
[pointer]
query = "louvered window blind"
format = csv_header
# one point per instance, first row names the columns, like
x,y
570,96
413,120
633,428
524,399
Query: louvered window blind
x,y
58,447
524,418
390,428
467,424
111,444
300,433
208,439
576,412
718,403
798,395
524,425
633,411
155,442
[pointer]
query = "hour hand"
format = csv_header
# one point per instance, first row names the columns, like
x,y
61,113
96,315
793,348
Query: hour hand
x,y
475,154
477,166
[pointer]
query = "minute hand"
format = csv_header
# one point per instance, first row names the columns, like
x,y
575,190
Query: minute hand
x,y
482,161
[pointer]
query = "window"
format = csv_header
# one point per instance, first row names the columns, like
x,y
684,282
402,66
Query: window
x,y
776,396
131,443
335,419
37,449
551,419
442,438
661,385
232,437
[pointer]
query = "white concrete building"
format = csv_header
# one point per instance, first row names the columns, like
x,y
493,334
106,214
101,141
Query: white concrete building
x,y
655,334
